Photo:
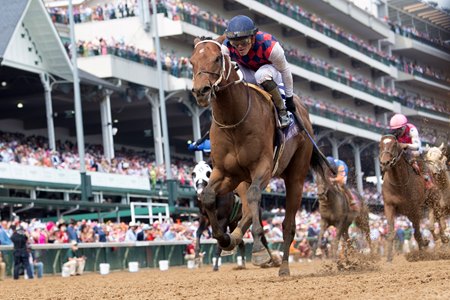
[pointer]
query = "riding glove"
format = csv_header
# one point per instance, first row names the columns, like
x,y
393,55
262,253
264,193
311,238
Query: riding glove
x,y
290,106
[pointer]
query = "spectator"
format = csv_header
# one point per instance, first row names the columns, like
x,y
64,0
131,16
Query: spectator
x,y
304,249
74,260
35,262
71,231
20,241
130,236
144,233
4,238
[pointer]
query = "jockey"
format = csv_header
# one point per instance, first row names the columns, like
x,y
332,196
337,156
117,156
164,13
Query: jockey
x,y
340,179
262,61
408,137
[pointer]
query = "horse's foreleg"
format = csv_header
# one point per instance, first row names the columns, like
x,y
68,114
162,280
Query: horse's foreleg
x,y
201,228
417,234
389,212
217,256
237,233
323,227
209,201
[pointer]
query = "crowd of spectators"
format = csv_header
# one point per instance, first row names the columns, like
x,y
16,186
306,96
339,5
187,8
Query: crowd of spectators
x,y
307,228
176,66
186,11
412,32
16,148
100,12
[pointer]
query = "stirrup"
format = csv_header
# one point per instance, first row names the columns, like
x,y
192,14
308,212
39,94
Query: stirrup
x,y
284,120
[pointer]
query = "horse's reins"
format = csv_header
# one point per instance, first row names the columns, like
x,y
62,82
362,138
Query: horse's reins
x,y
394,161
216,88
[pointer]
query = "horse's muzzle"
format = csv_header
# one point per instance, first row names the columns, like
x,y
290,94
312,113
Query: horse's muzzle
x,y
203,95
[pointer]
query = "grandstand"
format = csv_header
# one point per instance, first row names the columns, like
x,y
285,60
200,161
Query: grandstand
x,y
354,66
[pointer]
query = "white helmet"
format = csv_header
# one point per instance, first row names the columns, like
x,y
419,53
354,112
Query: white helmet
x,y
200,175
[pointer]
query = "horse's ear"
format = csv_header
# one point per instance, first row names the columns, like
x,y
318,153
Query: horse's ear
x,y
221,38
441,147
196,40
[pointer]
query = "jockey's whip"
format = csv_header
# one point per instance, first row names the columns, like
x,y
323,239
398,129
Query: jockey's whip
x,y
316,148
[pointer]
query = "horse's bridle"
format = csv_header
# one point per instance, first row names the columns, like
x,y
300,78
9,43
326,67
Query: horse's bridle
x,y
395,158
216,88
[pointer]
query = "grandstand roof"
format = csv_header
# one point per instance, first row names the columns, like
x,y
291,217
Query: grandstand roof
x,y
423,11
10,15
29,40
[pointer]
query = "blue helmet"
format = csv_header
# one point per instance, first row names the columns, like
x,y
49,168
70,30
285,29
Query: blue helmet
x,y
240,26
332,162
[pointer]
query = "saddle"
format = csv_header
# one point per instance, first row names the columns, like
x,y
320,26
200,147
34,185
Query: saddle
x,y
281,136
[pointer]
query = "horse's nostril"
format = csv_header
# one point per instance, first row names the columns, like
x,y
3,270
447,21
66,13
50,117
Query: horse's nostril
x,y
205,90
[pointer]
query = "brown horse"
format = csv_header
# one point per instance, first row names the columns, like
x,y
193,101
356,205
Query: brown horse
x,y
335,211
243,137
436,162
403,190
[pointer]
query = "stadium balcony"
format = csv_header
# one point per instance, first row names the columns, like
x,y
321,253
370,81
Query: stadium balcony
x,y
414,46
111,66
426,81
305,26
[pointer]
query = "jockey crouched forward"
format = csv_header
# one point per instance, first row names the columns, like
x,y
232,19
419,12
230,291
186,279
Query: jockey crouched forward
x,y
408,137
340,180
262,61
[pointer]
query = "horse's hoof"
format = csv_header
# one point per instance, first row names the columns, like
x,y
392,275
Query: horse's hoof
x,y
228,252
284,270
215,269
260,258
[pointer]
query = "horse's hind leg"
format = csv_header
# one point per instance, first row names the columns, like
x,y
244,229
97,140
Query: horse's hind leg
x,y
417,234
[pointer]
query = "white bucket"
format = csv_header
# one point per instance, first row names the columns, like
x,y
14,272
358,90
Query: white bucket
x,y
191,264
104,269
65,272
164,265
133,266
239,261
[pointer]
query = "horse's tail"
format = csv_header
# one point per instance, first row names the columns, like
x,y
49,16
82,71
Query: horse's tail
x,y
318,165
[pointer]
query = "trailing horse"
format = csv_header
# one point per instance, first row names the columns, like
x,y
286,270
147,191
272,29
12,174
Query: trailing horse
x,y
244,137
436,162
403,191
228,212
335,211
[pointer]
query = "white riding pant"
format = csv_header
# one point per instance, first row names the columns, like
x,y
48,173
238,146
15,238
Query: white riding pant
x,y
264,73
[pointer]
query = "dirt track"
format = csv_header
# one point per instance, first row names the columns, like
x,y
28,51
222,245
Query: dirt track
x,y
314,280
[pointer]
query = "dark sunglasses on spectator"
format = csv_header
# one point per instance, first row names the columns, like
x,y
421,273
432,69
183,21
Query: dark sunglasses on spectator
x,y
241,42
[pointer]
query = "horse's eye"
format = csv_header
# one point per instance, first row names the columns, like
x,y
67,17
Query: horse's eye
x,y
208,174
218,58
194,175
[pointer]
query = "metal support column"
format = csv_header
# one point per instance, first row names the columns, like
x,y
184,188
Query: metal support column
x,y
78,108
45,79
156,120
376,162
358,171
107,129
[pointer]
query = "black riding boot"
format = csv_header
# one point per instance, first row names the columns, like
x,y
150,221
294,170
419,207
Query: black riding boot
x,y
271,87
